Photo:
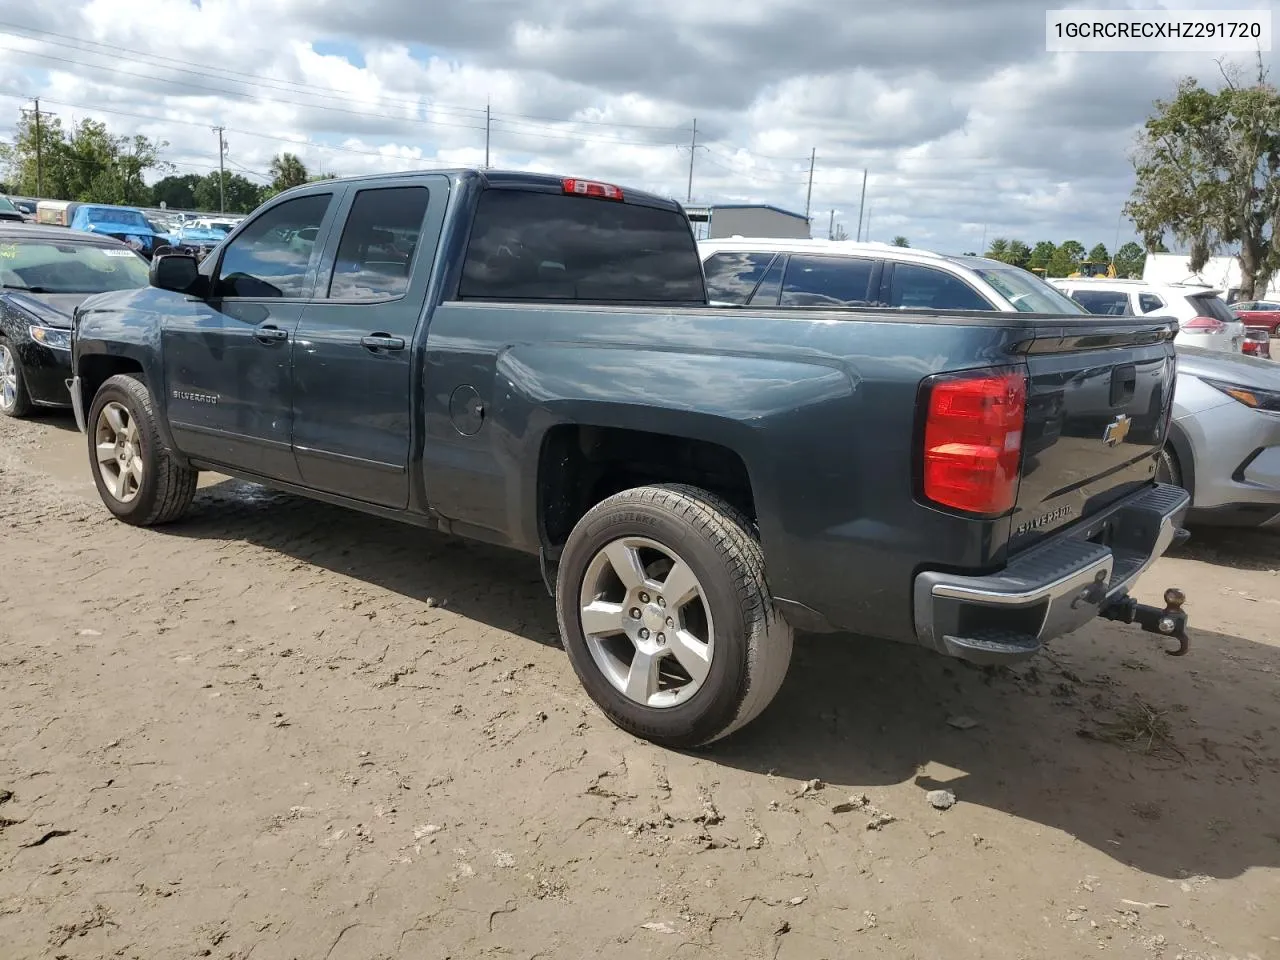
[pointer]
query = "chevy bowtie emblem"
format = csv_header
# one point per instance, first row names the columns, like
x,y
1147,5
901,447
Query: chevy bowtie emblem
x,y
1116,430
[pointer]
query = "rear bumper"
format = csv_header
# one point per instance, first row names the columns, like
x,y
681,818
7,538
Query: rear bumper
x,y
1052,589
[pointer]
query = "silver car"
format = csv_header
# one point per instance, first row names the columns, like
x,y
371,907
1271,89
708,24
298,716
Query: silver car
x,y
1224,442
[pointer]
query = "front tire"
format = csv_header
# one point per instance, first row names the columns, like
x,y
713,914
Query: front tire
x,y
666,616
15,401
138,479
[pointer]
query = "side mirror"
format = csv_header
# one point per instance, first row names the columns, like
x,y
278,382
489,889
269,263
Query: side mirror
x,y
178,272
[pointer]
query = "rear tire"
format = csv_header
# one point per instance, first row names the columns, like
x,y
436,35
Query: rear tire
x,y
15,401
138,479
719,619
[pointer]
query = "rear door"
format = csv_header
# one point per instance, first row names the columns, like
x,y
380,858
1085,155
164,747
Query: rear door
x,y
353,372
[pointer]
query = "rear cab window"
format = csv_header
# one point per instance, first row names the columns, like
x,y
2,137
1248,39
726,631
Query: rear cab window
x,y
528,245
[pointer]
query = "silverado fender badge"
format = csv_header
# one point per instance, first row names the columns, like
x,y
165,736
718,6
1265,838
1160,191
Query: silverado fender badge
x,y
195,397
1116,430
1041,521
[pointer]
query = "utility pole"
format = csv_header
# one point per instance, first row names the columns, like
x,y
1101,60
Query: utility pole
x,y
862,203
222,174
39,154
487,121
831,227
982,250
809,196
693,149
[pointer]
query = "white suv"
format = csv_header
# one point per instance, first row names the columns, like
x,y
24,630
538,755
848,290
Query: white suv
x,y
816,273
1204,319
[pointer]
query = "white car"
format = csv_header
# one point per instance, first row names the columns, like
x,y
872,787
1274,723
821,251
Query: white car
x,y
817,273
1204,319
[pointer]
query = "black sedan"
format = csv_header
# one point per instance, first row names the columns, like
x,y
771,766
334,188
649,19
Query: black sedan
x,y
45,273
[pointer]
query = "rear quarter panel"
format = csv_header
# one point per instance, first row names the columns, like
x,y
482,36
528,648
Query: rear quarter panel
x,y
820,407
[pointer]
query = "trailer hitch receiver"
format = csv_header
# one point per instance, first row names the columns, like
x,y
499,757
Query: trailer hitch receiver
x,y
1169,622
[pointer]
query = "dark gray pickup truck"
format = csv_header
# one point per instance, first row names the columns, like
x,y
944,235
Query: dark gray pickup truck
x,y
533,362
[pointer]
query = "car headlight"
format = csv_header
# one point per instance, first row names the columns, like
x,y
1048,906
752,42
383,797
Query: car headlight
x,y
55,338
1249,396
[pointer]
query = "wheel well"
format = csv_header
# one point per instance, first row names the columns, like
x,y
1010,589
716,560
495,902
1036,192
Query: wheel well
x,y
581,465
96,369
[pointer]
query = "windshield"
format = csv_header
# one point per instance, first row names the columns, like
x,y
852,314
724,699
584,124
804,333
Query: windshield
x,y
45,266
1027,292
130,218
7,204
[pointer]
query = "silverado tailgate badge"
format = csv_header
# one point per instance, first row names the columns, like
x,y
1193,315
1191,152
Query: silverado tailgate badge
x,y
1116,430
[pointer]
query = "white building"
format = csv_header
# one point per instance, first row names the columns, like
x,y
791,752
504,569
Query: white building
x,y
1221,273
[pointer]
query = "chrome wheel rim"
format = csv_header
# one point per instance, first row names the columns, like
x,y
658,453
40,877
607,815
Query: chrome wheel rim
x,y
647,622
8,379
118,452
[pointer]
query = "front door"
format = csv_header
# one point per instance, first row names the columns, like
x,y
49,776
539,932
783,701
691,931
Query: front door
x,y
227,360
353,359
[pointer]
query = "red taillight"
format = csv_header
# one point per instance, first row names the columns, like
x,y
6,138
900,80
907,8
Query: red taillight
x,y
973,440
591,188
1205,325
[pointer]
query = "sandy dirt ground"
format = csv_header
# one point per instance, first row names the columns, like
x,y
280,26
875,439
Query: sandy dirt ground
x,y
281,730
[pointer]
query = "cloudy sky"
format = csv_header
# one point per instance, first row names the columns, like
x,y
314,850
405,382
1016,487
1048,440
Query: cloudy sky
x,y
967,126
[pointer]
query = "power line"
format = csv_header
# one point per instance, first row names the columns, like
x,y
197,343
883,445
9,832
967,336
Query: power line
x,y
307,89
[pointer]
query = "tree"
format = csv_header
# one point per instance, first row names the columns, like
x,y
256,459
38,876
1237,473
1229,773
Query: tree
x,y
839,233
1099,254
1131,260
19,158
86,163
176,192
1066,259
287,171
241,194
1208,173
999,250
900,242
1041,255
1019,253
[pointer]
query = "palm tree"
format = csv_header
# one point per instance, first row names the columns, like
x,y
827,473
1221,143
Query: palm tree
x,y
999,249
287,171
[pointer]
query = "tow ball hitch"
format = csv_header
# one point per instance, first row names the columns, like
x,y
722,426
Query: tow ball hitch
x,y
1169,622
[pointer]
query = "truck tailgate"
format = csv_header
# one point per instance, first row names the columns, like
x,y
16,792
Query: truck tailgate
x,y
1098,400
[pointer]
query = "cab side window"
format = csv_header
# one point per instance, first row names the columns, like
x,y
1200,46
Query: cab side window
x,y
1107,303
924,288
732,277
827,282
1149,303
272,257
375,255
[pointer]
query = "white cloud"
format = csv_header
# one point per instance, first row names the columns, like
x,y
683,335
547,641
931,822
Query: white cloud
x,y
962,119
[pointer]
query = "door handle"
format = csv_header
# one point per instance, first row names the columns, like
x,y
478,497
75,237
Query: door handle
x,y
380,341
270,334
